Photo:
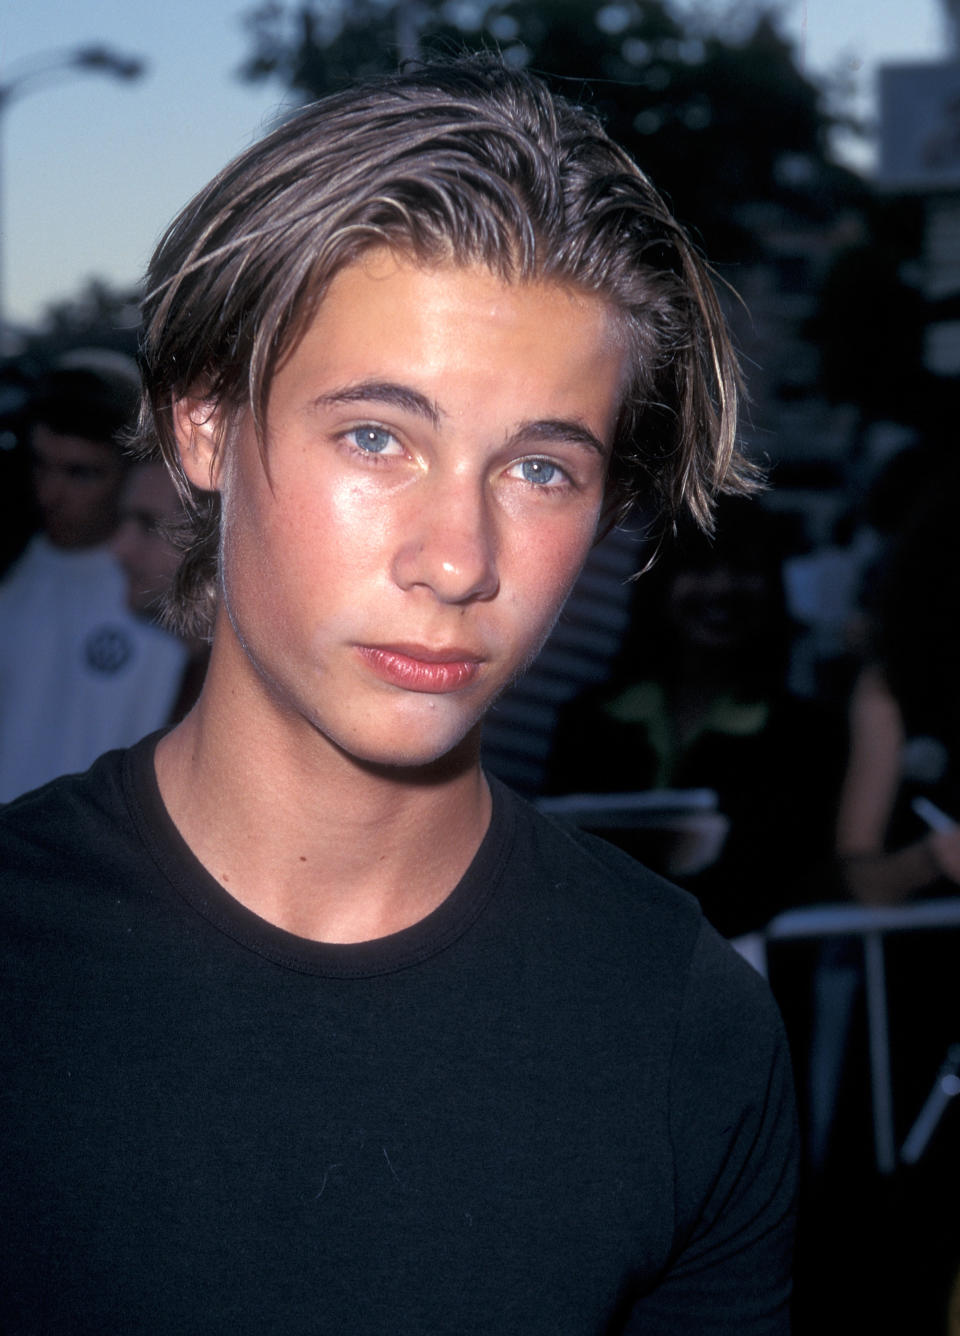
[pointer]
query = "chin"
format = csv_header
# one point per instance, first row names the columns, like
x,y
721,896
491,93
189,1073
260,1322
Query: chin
x,y
416,754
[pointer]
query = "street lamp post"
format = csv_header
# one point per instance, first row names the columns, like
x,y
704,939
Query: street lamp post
x,y
48,68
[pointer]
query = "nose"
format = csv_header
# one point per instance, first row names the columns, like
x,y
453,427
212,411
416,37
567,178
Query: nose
x,y
449,544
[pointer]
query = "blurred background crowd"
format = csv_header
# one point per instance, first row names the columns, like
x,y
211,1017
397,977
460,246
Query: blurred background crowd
x,y
768,716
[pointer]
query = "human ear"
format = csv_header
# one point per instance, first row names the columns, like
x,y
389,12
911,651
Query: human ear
x,y
198,426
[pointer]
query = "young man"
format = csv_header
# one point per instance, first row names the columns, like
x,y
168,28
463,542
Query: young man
x,y
78,674
150,507
151,512
319,1031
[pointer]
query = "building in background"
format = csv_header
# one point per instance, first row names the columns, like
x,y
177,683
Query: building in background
x,y
920,156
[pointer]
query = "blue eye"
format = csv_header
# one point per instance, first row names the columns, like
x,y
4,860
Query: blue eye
x,y
539,471
372,440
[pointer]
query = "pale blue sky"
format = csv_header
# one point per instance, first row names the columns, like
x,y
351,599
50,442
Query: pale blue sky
x,y
91,171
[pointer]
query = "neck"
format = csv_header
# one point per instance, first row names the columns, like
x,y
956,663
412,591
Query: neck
x,y
308,837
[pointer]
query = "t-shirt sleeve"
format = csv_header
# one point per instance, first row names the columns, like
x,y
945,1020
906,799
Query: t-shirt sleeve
x,y
735,1152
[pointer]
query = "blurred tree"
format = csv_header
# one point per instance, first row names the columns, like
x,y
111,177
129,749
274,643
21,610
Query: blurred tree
x,y
720,119
99,315
870,321
720,114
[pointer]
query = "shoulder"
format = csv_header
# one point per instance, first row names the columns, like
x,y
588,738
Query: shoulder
x,y
700,1060
64,830
589,875
604,911
77,883
22,572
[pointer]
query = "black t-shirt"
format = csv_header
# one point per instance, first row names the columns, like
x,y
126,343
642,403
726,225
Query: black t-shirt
x,y
558,1104
775,763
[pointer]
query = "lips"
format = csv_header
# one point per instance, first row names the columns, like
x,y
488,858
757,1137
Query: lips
x,y
420,668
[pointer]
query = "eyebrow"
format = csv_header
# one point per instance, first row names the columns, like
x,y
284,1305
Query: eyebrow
x,y
383,392
406,398
560,430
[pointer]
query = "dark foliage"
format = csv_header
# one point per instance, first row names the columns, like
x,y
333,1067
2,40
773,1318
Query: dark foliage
x,y
720,121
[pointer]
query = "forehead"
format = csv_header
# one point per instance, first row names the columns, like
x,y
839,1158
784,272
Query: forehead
x,y
459,328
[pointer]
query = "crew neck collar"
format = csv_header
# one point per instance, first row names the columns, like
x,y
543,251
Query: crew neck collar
x,y
187,876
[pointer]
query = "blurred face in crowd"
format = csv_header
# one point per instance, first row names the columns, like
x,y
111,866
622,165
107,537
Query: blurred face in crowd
x,y
77,485
148,505
721,609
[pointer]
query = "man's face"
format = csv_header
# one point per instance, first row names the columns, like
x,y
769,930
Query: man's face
x,y
148,505
436,448
77,485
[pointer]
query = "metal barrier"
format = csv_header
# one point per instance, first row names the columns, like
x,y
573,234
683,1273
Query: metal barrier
x,y
872,925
